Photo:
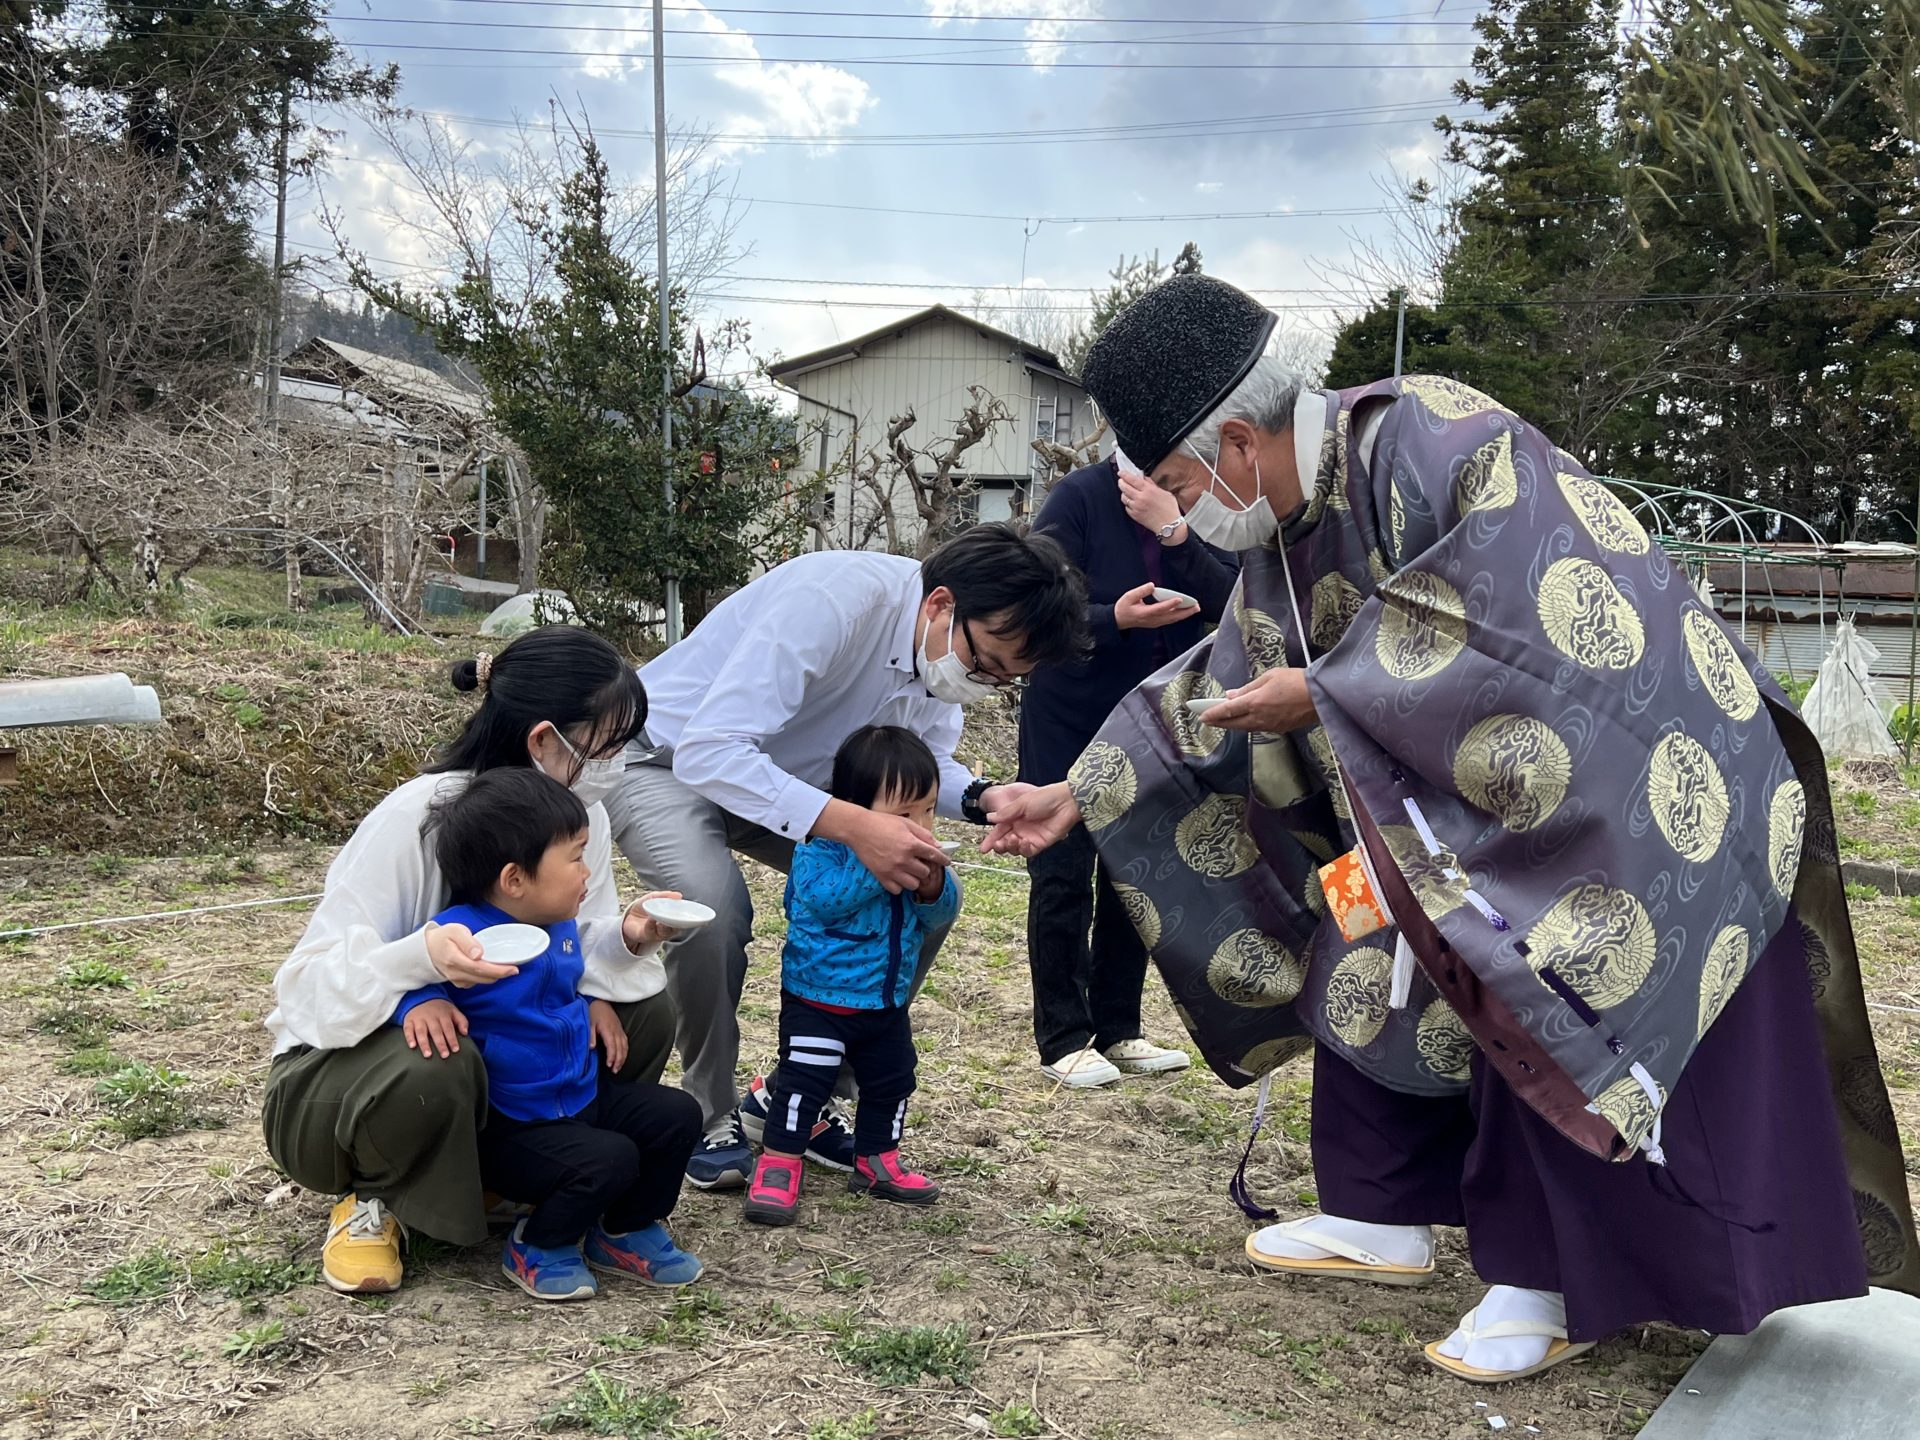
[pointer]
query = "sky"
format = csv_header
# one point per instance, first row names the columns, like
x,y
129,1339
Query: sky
x,y
884,155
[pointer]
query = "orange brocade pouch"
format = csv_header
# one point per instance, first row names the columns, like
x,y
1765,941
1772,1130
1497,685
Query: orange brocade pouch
x,y
1351,898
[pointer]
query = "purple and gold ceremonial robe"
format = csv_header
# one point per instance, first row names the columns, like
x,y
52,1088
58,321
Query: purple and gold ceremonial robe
x,y
1588,805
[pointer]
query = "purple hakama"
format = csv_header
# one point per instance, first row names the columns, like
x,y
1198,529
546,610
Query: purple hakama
x,y
1753,1214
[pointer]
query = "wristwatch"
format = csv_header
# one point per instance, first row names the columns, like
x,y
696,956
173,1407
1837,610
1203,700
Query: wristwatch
x,y
970,800
1165,532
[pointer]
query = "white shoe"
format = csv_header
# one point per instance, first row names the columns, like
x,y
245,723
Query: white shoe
x,y
1143,1057
1082,1070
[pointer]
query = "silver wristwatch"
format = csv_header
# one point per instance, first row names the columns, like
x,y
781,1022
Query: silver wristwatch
x,y
1165,532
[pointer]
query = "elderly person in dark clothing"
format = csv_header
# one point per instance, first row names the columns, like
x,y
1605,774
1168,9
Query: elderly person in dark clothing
x,y
1127,535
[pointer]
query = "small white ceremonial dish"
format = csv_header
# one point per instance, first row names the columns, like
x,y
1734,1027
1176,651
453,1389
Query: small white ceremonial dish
x,y
1160,592
680,914
1199,708
512,944
949,846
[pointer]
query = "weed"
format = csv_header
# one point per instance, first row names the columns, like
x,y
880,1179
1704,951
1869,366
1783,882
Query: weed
x,y
145,1277
81,1025
858,1428
1398,1329
95,1060
607,1407
949,1280
845,1277
149,1101
976,1165
900,1356
1071,1216
1863,803
941,1222
243,1277
265,1341
1017,1419
1913,907
229,692
106,867
93,974
1863,892
220,1169
430,1389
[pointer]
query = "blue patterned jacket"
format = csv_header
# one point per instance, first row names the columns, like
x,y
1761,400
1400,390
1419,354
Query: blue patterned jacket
x,y
848,941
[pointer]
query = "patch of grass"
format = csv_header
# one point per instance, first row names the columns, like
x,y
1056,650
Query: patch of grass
x,y
1017,1419
245,1277
975,1165
94,974
950,1280
902,1355
145,1277
95,1060
845,1277
1397,1329
147,1102
85,1026
106,867
1863,892
858,1428
1070,1216
684,1327
941,1222
1863,803
603,1406
266,1341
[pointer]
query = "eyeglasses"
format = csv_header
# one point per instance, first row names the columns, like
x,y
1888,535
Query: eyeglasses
x,y
988,677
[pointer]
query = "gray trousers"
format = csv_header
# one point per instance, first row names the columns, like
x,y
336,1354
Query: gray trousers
x,y
676,839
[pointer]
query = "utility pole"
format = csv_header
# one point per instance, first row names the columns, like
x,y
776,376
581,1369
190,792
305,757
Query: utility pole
x,y
272,399
1399,331
666,327
289,546
480,554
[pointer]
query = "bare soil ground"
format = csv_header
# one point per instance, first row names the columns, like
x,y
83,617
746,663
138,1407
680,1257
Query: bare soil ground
x,y
1081,1277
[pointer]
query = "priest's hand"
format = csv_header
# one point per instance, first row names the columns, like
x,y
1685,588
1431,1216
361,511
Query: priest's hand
x,y
1029,823
1138,610
1272,705
1152,508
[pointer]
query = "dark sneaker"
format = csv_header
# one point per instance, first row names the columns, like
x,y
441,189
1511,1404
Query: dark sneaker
x,y
884,1176
721,1161
831,1143
774,1195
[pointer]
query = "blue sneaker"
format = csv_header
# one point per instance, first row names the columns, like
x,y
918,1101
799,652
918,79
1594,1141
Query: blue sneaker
x,y
555,1272
647,1255
721,1161
831,1144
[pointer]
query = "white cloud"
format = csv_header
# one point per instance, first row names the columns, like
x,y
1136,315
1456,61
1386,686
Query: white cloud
x,y
1044,33
770,97
1208,187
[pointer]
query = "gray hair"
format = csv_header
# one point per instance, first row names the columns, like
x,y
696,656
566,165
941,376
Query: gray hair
x,y
1265,400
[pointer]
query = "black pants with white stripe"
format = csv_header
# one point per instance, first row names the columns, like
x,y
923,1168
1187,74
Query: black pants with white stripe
x,y
877,1045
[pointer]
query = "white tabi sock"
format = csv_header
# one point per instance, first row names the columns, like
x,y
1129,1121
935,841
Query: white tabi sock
x,y
1509,1352
1409,1245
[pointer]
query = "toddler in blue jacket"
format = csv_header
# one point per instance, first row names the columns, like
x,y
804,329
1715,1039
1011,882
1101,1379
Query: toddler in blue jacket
x,y
847,975
600,1162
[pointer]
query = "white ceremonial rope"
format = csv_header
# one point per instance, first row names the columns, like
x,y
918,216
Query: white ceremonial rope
x,y
155,915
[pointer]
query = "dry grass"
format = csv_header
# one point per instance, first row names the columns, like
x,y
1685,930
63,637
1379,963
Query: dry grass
x,y
1084,1254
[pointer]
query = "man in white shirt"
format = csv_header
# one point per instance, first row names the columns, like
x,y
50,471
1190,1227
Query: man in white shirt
x,y
747,713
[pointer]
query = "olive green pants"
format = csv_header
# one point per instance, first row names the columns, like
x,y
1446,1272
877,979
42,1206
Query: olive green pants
x,y
387,1122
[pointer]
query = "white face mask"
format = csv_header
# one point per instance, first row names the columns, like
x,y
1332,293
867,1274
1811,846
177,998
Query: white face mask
x,y
1242,527
593,780
946,678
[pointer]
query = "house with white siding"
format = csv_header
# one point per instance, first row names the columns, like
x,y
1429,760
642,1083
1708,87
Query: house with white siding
x,y
849,392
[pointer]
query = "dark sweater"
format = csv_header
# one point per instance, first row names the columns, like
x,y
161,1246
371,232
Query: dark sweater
x,y
1065,706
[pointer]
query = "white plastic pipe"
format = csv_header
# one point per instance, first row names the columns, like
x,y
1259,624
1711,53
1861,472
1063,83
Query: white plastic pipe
x,y
78,700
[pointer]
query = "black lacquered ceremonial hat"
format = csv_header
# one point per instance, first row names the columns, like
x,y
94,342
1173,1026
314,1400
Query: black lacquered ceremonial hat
x,y
1168,360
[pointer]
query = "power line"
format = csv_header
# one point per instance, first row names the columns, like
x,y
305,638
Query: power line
x,y
1013,41
1425,18
940,136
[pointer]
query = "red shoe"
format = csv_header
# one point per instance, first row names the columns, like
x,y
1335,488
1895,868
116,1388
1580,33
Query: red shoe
x,y
883,1175
773,1194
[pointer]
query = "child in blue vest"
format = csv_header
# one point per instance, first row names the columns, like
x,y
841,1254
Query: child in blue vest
x,y
847,975
601,1164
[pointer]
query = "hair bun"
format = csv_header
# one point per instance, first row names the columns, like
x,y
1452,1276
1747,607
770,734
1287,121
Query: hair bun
x,y
465,674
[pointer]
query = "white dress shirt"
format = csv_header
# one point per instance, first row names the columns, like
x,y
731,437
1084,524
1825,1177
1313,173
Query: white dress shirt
x,y
366,943
754,703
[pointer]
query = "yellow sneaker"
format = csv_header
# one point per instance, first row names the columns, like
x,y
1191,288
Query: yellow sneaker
x,y
362,1253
